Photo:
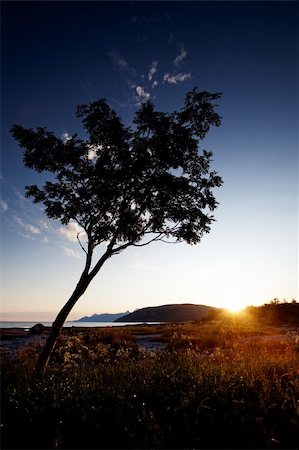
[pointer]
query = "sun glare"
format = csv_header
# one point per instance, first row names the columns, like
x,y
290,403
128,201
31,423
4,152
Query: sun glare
x,y
234,309
234,305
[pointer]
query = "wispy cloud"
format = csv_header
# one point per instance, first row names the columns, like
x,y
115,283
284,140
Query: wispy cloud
x,y
3,206
87,88
176,78
121,63
170,39
44,224
153,70
135,262
20,196
71,230
142,94
137,265
136,19
142,84
182,55
118,103
26,230
33,229
70,252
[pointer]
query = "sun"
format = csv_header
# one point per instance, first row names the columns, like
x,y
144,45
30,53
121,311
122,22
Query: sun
x,y
234,305
234,308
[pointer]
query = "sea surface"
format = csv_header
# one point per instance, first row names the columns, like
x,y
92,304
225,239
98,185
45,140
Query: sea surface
x,y
27,325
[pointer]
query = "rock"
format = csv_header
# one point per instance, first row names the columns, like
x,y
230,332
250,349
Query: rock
x,y
37,329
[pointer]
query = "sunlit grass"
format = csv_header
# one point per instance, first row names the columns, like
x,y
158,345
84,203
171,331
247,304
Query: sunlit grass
x,y
225,384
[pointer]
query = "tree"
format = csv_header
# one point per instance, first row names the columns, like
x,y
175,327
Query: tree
x,y
125,186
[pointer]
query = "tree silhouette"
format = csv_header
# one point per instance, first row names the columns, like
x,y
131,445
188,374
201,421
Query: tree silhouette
x,y
125,186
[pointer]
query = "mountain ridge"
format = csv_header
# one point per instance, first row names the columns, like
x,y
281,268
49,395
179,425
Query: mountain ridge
x,y
182,312
105,317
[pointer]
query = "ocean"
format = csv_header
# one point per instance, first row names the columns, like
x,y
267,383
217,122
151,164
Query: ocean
x,y
27,325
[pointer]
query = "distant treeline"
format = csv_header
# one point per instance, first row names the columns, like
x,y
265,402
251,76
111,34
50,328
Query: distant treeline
x,y
276,312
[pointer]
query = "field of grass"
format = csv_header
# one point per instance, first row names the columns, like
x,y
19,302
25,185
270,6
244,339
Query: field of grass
x,y
224,384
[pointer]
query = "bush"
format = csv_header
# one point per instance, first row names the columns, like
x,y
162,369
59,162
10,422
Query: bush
x,y
115,395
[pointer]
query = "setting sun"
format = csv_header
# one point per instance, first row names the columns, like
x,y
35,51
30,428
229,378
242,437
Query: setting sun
x,y
234,304
234,308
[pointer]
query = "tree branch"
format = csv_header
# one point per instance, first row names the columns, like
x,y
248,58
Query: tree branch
x,y
157,238
104,257
80,243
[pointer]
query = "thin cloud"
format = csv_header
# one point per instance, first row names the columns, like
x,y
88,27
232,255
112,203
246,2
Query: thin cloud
x,y
87,88
70,252
44,224
27,230
19,221
136,19
142,94
183,53
118,103
155,83
137,265
121,63
175,79
71,230
152,70
33,229
3,206
170,39
20,196
135,262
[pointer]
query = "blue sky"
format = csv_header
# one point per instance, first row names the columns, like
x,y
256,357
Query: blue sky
x,y
57,55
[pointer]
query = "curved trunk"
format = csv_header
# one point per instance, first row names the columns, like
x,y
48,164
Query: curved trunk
x,y
44,357
81,287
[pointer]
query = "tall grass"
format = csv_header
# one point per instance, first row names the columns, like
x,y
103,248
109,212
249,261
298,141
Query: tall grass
x,y
211,388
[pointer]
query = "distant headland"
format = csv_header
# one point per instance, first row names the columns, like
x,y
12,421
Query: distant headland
x,y
166,313
106,317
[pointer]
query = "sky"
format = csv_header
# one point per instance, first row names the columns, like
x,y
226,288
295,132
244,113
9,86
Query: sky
x,y
57,55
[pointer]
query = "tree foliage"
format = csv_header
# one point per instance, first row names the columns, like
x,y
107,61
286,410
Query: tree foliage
x,y
128,183
125,186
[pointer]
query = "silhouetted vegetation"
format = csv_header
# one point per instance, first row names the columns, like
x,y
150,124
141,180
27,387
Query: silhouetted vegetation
x,y
223,384
125,186
276,312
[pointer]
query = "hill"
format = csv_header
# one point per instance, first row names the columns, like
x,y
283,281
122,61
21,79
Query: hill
x,y
102,317
169,313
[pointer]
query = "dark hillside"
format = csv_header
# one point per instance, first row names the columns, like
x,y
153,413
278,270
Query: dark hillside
x,y
102,317
169,313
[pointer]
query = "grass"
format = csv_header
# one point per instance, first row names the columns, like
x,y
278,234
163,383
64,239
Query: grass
x,y
217,385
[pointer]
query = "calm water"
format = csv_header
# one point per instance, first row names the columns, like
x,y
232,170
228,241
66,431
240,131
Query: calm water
x,y
4,324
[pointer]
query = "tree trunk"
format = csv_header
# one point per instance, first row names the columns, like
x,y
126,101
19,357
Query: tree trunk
x,y
44,357
81,287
